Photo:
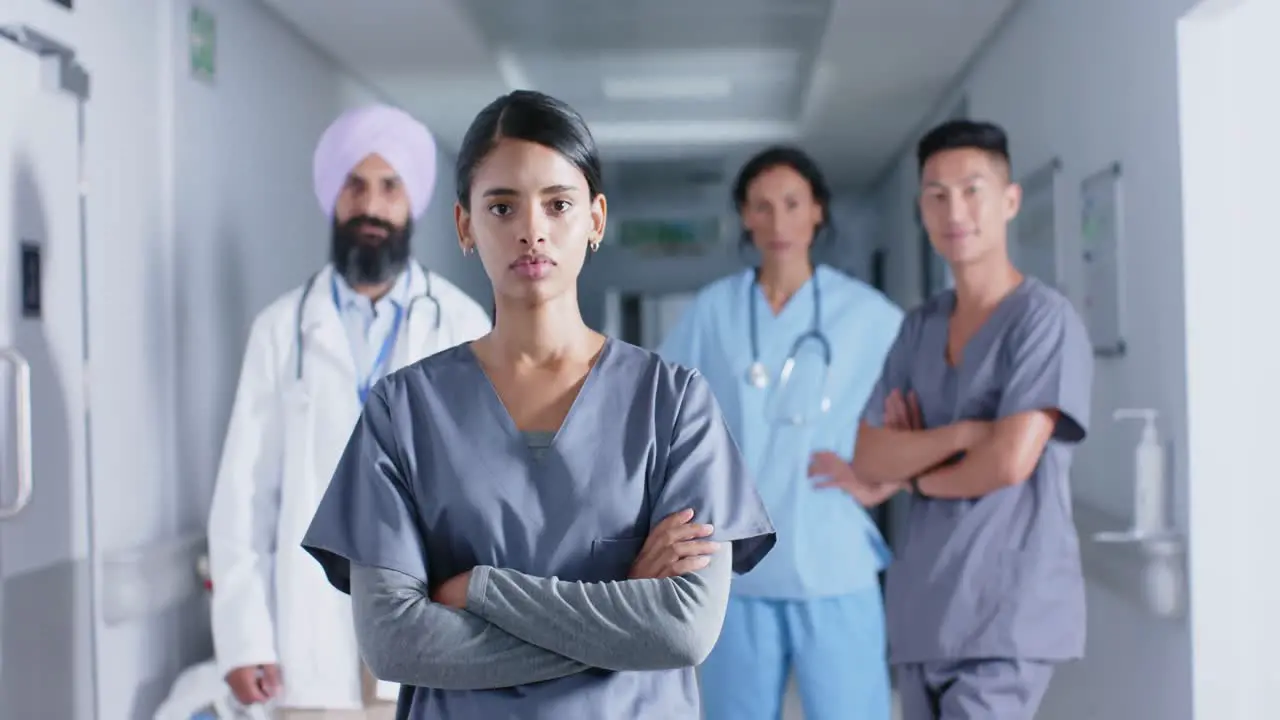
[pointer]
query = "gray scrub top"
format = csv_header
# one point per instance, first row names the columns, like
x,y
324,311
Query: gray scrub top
x,y
437,479
997,576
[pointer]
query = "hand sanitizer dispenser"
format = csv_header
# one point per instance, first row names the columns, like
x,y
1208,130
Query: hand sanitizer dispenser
x,y
1148,559
1150,499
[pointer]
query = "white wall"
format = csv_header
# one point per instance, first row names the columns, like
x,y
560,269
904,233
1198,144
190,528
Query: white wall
x,y
200,211
1095,81
1227,52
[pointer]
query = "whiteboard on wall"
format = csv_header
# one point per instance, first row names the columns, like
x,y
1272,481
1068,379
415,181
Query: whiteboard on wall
x,y
1035,248
1101,254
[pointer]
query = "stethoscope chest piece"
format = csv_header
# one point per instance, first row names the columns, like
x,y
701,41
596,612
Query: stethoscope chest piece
x,y
757,375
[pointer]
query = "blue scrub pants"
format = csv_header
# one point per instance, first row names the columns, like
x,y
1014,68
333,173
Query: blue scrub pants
x,y
835,645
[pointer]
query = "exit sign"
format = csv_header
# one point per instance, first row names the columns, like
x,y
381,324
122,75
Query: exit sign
x,y
203,40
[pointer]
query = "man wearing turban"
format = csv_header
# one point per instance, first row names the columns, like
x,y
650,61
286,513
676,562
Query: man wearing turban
x,y
282,635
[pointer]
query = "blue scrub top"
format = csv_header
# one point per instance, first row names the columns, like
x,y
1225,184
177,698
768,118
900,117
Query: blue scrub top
x,y
997,576
437,479
827,544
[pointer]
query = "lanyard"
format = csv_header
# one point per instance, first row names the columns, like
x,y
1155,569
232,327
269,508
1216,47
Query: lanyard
x,y
363,387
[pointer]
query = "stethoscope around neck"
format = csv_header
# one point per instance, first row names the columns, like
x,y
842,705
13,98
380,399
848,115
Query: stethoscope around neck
x,y
403,320
758,375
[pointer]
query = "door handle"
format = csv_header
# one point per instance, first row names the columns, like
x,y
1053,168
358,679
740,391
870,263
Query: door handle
x,y
22,430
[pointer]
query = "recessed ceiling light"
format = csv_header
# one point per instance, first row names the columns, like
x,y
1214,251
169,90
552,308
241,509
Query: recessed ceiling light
x,y
667,88
694,132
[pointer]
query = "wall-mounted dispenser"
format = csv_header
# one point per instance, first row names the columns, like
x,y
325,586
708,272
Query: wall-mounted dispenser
x,y
1150,483
1151,539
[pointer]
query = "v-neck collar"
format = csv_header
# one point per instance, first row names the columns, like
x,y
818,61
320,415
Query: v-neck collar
x,y
508,422
991,321
802,296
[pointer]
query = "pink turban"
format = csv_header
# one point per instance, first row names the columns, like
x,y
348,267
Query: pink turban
x,y
381,130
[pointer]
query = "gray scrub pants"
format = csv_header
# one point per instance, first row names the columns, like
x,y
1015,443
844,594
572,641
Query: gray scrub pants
x,y
973,689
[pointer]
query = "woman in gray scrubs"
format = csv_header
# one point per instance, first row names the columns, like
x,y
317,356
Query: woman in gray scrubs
x,y
514,518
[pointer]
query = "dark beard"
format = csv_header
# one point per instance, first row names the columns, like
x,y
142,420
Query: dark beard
x,y
369,260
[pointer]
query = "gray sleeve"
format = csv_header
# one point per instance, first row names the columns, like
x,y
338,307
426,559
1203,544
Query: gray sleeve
x,y
405,638
894,374
368,514
1049,366
703,470
623,625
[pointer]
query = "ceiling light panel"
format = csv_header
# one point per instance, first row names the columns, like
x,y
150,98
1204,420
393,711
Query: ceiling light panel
x,y
578,26
666,87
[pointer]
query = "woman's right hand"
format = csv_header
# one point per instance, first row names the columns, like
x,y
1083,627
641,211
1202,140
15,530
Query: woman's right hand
x,y
674,547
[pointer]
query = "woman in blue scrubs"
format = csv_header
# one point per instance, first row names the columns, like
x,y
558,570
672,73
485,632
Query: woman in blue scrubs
x,y
813,606
542,523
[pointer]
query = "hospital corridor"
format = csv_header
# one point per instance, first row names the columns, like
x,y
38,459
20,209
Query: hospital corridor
x,y
638,360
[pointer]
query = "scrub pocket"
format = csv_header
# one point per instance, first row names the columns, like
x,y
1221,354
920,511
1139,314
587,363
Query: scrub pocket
x,y
612,559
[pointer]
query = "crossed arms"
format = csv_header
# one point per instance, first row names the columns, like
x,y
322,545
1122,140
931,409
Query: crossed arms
x,y
992,454
1004,457
495,628
492,627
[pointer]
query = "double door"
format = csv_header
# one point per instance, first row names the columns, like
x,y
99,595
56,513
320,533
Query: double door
x,y
47,626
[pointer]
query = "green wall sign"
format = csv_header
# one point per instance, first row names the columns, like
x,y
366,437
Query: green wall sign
x,y
670,237
204,44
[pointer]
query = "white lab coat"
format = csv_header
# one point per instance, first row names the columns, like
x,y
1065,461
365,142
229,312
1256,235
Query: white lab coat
x,y
271,602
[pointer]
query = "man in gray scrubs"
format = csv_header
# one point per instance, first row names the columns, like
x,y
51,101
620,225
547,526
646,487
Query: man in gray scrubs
x,y
982,400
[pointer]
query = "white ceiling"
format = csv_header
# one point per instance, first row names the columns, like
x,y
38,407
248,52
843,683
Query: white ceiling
x,y
706,81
